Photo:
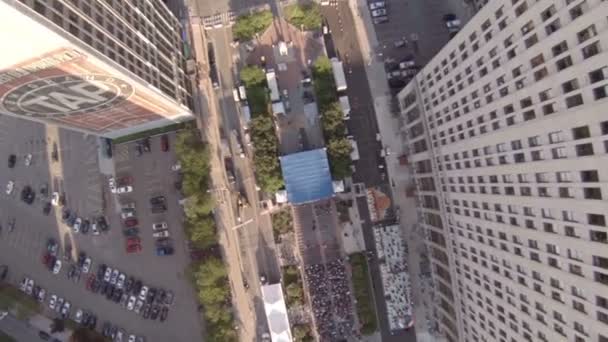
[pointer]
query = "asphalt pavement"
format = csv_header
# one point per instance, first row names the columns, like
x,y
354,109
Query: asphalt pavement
x,y
362,124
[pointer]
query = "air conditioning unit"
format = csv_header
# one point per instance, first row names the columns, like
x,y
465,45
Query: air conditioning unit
x,y
519,85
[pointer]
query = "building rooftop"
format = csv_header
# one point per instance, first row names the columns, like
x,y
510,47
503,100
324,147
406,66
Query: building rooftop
x,y
307,177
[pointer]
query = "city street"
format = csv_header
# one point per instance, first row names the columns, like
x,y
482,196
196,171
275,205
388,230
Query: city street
x,y
248,245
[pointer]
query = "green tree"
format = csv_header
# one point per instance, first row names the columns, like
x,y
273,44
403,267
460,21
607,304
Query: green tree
x,y
282,221
307,16
302,333
338,151
324,84
295,294
202,231
247,26
332,121
253,75
198,205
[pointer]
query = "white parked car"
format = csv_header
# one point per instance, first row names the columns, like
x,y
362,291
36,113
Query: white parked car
x,y
86,265
77,224
28,160
10,186
159,226
107,275
120,282
138,306
376,5
127,214
161,234
176,167
78,316
143,293
112,185
124,189
59,304
41,295
131,338
65,309
94,229
131,303
380,12
53,302
29,287
55,199
57,266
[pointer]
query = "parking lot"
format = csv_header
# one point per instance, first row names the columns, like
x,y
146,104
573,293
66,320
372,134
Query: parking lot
x,y
77,173
415,27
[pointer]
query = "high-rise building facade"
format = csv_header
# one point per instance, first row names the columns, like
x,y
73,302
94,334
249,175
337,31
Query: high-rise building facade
x,y
507,130
108,67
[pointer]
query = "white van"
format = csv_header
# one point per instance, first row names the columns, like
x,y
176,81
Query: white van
x,y
235,95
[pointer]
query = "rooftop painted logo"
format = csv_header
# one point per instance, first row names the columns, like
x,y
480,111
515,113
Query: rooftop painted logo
x,y
65,95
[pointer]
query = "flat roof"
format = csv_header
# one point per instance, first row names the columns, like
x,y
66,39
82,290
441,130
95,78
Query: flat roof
x,y
307,177
276,313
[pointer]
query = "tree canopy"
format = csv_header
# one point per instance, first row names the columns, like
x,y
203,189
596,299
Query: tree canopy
x,y
307,16
247,26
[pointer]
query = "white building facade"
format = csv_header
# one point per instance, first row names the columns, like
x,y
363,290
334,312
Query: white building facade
x,y
507,129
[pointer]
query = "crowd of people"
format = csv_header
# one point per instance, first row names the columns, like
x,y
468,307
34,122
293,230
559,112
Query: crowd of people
x,y
331,300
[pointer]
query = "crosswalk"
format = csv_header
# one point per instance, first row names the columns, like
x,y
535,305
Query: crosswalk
x,y
219,20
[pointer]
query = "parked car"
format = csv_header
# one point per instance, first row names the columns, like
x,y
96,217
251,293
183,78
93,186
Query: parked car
x,y
138,306
57,267
377,5
52,302
78,316
160,226
120,282
86,265
65,310
10,186
131,303
12,160
76,225
133,248
28,160
107,274
380,20
124,189
114,277
131,222
131,232
164,312
125,214
162,251
161,234
164,143
41,295
380,12
59,305
143,292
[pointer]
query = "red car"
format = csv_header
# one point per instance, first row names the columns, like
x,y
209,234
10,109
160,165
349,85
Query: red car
x,y
134,248
124,180
164,143
90,281
48,260
134,240
131,222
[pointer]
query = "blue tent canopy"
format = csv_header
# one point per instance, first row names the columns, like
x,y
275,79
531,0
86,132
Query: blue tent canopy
x,y
307,177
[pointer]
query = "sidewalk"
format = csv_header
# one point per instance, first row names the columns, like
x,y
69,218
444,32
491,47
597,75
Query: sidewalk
x,y
399,175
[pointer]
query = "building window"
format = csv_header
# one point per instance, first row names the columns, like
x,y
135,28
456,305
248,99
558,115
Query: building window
x,y
574,100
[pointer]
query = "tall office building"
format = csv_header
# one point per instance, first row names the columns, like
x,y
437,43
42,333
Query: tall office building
x,y
507,128
110,67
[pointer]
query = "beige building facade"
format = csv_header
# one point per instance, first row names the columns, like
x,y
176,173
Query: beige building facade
x,y
507,130
104,67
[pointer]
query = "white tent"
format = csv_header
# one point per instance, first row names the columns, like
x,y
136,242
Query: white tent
x,y
276,313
